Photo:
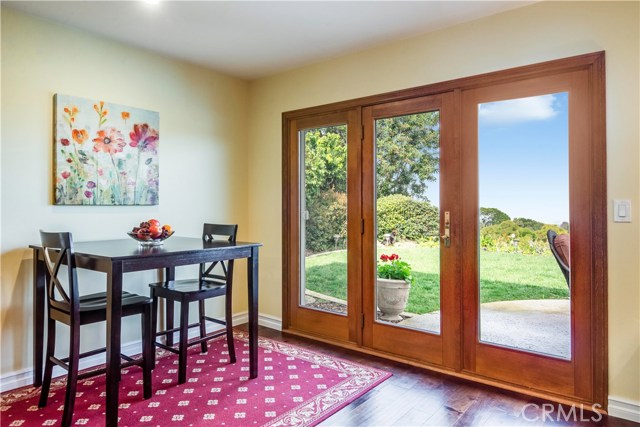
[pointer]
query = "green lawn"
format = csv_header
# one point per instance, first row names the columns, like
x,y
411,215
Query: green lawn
x,y
504,276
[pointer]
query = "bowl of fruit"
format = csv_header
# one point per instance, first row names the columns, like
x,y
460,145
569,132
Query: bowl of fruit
x,y
151,233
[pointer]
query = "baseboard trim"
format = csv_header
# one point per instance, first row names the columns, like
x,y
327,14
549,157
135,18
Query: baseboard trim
x,y
625,409
16,379
24,377
265,320
240,318
270,321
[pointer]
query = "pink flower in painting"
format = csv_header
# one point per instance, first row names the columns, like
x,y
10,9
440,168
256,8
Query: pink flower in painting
x,y
69,160
64,141
109,141
100,171
66,174
144,137
88,194
91,184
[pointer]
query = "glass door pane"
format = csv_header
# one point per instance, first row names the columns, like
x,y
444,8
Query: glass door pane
x,y
523,158
407,220
323,222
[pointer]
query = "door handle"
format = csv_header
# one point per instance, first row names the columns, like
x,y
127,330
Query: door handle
x,y
446,237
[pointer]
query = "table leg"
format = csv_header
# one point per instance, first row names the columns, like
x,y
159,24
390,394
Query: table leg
x,y
39,295
252,280
170,274
114,327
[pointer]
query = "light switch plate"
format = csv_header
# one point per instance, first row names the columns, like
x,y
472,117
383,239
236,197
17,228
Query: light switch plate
x,y
621,210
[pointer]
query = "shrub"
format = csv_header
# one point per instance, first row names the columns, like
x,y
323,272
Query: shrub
x,y
542,233
504,229
327,218
529,223
410,219
508,236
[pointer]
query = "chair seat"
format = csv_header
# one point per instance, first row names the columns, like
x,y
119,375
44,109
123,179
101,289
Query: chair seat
x,y
98,302
191,286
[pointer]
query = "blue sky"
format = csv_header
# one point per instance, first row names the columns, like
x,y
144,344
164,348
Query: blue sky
x,y
523,155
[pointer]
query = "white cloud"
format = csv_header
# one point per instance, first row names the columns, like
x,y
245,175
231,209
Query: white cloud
x,y
518,110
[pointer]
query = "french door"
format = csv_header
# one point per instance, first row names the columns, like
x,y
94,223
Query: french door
x,y
493,189
326,297
338,229
417,132
527,145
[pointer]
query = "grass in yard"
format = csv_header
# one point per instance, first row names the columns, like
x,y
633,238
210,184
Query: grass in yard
x,y
327,274
503,276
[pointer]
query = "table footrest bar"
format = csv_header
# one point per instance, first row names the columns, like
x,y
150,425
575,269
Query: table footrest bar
x,y
166,347
86,354
93,373
218,321
60,362
206,338
192,325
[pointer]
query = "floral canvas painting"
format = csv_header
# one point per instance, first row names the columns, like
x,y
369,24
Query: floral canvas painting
x,y
106,154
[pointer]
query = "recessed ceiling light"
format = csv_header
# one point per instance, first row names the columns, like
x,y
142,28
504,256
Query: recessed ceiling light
x,y
153,2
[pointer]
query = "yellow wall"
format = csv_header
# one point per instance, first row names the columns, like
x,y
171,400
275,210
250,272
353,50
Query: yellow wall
x,y
202,150
531,34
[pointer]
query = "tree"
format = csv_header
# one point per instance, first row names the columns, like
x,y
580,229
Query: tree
x,y
492,216
325,160
407,154
528,223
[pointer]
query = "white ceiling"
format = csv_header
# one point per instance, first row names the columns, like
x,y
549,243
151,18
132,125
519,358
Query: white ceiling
x,y
253,39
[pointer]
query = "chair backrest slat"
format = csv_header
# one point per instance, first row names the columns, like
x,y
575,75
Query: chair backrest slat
x,y
58,251
210,233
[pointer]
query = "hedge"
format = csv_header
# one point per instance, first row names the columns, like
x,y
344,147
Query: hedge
x,y
327,218
411,219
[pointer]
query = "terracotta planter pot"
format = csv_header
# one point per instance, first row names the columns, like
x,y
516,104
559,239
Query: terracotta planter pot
x,y
392,296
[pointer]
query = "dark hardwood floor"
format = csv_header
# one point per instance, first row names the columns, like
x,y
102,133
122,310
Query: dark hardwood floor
x,y
417,397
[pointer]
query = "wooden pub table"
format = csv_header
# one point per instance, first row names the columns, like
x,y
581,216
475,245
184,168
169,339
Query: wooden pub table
x,y
116,257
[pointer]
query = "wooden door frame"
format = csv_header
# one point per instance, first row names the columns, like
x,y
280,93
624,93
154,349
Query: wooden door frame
x,y
594,64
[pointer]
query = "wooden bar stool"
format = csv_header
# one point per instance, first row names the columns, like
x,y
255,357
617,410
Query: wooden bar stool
x,y
75,310
209,284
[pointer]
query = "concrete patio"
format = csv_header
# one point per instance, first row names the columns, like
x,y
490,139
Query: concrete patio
x,y
541,326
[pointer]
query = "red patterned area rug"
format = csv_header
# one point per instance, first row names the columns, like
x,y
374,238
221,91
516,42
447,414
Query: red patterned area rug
x,y
295,387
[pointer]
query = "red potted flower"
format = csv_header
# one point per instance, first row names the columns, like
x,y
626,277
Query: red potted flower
x,y
393,285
